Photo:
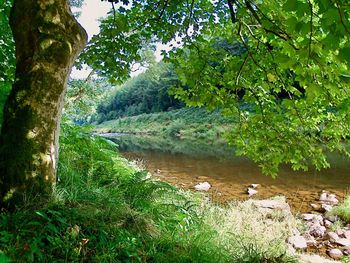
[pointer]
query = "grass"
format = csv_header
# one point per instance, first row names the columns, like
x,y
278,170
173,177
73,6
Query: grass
x,y
187,123
106,210
342,210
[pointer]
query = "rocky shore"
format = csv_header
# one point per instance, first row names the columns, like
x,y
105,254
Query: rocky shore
x,y
321,237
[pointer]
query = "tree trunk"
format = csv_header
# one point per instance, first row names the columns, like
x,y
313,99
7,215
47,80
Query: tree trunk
x,y
48,39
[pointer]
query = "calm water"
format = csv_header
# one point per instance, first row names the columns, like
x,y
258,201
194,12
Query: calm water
x,y
184,164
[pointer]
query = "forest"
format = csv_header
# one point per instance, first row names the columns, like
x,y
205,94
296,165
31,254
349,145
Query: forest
x,y
202,131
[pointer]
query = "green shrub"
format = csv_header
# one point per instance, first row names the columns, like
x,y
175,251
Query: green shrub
x,y
343,210
174,128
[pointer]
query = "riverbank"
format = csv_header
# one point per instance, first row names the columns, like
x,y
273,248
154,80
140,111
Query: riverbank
x,y
105,210
184,164
192,124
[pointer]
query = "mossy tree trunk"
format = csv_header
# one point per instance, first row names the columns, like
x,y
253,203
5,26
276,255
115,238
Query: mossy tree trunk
x,y
48,39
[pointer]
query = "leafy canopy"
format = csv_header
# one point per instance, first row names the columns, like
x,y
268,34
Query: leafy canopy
x,y
288,85
293,71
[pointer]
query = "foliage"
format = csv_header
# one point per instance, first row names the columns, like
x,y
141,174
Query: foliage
x,y
128,28
7,46
342,210
146,93
7,54
4,91
104,210
185,123
287,58
83,97
294,69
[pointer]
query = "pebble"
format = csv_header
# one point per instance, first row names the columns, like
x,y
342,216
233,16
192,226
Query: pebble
x,y
310,240
329,198
315,206
251,191
317,230
335,253
313,218
346,234
327,223
340,232
298,242
326,207
343,242
331,218
333,236
202,186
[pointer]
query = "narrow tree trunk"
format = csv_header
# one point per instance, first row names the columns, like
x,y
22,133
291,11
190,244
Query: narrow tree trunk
x,y
48,39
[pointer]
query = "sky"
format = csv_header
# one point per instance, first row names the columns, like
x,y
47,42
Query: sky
x,y
91,11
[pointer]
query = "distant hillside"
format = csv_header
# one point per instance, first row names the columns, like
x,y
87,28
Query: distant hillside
x,y
146,93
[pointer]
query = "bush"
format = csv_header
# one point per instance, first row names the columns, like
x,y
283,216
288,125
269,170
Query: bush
x,y
343,210
174,128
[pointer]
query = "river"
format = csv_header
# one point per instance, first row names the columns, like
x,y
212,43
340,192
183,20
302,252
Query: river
x,y
186,164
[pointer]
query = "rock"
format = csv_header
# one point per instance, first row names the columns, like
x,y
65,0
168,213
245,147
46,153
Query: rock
x,y
323,197
315,206
272,204
346,234
331,218
317,230
310,240
343,242
333,199
346,252
340,232
327,223
329,198
251,191
312,217
332,236
326,207
335,253
254,186
202,186
298,242
307,258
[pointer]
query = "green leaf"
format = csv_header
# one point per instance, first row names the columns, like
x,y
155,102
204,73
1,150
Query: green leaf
x,y
344,54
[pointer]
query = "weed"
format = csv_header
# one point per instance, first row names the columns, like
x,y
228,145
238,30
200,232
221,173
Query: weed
x,y
343,210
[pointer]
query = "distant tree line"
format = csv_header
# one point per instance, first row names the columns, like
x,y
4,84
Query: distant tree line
x,y
145,93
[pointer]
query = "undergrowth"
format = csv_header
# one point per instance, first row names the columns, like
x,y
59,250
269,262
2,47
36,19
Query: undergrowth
x,y
186,123
343,210
105,210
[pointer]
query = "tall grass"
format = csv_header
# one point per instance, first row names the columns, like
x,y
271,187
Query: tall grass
x,y
105,210
343,210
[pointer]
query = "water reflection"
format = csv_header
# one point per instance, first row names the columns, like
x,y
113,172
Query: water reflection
x,y
185,164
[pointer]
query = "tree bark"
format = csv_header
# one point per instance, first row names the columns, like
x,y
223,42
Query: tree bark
x,y
48,39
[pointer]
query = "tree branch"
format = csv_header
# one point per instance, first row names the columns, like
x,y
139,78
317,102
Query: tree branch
x,y
232,11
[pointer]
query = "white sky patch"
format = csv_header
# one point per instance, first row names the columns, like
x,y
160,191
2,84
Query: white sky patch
x,y
91,12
